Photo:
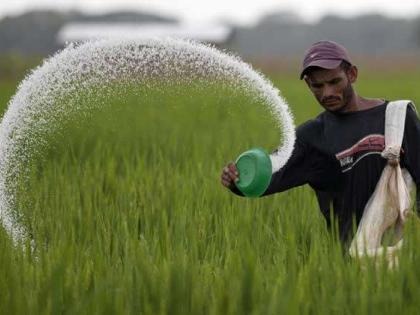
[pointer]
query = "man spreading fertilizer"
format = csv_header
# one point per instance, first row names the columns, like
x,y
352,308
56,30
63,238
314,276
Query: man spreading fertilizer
x,y
341,153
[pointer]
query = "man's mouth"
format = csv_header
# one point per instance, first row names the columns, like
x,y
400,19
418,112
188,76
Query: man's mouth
x,y
331,102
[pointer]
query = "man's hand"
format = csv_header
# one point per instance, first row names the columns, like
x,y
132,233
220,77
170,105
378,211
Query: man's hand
x,y
230,175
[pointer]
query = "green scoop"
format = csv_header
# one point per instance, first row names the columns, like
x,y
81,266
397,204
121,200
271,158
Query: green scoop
x,y
254,168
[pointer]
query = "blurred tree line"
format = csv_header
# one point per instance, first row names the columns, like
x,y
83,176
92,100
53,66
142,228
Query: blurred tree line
x,y
27,38
36,32
285,34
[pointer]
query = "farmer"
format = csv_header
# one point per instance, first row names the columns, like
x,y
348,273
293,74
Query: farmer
x,y
338,153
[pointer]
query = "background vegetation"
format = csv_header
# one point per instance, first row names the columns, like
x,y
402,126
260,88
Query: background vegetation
x,y
129,217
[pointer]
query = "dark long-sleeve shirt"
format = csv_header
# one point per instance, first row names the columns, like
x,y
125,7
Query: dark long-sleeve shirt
x,y
339,156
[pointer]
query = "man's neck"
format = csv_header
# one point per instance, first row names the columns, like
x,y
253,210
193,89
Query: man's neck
x,y
358,103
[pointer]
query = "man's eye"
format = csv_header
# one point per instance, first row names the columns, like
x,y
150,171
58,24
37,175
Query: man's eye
x,y
316,86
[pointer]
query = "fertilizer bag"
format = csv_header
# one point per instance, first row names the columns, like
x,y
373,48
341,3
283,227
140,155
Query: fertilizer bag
x,y
389,206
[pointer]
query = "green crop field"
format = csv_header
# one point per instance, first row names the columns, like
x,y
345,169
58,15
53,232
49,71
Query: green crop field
x,y
129,217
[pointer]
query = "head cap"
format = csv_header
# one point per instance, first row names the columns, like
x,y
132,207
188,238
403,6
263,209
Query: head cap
x,y
324,54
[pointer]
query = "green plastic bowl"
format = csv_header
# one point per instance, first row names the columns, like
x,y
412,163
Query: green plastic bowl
x,y
254,167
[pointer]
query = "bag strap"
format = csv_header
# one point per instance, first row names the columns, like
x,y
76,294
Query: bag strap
x,y
394,128
395,122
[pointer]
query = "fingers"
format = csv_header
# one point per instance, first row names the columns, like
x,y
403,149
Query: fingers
x,y
226,183
230,175
231,172
233,169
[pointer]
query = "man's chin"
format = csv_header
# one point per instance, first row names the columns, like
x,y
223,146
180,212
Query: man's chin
x,y
336,108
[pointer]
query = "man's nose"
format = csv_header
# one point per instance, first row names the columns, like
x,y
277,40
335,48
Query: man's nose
x,y
328,91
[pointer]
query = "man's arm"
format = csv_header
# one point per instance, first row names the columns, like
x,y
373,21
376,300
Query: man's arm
x,y
292,174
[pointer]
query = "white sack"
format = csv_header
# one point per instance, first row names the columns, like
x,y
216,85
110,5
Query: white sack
x,y
390,203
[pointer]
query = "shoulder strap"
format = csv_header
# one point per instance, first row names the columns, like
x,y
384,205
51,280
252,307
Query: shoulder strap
x,y
395,122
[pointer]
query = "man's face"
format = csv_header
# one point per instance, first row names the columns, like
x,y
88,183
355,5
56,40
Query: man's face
x,y
332,88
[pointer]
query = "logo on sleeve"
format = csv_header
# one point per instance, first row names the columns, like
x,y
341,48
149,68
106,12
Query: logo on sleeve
x,y
371,144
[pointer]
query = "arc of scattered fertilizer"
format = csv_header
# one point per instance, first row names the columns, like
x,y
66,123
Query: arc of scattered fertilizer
x,y
34,107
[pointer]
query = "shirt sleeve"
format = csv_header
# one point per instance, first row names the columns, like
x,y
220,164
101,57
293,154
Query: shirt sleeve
x,y
293,173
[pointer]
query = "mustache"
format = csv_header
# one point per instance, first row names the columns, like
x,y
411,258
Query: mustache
x,y
330,98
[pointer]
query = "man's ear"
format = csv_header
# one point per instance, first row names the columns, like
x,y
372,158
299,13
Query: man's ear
x,y
352,74
306,80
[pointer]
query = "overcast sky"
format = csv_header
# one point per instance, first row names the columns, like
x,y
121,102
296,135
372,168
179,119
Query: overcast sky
x,y
240,11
